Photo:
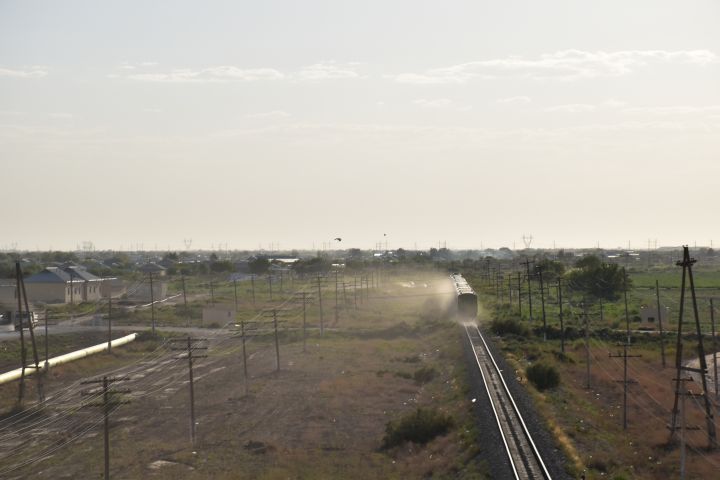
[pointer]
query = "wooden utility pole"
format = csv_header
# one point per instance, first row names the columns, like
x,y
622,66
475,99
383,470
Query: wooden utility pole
x,y
319,290
269,278
22,294
212,293
190,348
562,325
252,282
277,342
715,370
109,323
686,265
187,311
587,345
662,334
625,380
152,302
519,294
337,313
542,301
109,401
529,285
627,315
236,298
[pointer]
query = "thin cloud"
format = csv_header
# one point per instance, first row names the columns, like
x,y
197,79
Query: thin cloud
x,y
272,115
674,110
520,99
441,104
327,71
565,65
572,108
222,73
29,72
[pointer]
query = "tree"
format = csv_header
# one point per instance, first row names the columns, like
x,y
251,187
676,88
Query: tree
x,y
551,269
597,279
259,265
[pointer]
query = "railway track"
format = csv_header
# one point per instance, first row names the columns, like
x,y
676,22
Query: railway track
x,y
523,455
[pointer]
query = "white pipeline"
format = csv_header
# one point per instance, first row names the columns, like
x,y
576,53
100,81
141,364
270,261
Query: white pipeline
x,y
68,357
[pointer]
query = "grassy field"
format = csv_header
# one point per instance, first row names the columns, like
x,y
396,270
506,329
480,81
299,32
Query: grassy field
x,y
323,415
589,420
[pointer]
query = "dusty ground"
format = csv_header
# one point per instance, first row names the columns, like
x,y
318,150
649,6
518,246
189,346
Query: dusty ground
x,y
592,418
323,415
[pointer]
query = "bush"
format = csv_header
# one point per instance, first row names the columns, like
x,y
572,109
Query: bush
x,y
424,375
509,326
420,426
543,376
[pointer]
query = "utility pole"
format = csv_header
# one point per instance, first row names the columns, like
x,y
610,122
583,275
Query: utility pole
x,y
587,345
355,292
662,334
236,299
625,380
187,312
627,315
529,285
252,282
109,401
542,300
274,313
337,313
519,294
109,323
562,326
152,303
304,298
319,290
686,265
715,371
190,357
22,293
270,285
212,294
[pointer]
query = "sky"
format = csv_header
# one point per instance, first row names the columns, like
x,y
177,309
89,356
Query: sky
x,y
245,124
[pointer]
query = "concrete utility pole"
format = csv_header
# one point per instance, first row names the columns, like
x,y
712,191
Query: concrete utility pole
x,y
662,334
625,380
190,348
22,293
108,402
337,313
109,323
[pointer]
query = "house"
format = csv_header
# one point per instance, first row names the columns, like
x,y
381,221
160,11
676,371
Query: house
x,y
8,294
153,268
649,315
70,284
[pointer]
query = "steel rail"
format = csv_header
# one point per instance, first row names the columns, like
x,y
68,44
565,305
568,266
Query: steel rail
x,y
507,419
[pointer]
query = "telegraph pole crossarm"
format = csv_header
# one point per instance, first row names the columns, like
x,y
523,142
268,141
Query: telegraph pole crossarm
x,y
624,355
190,356
109,401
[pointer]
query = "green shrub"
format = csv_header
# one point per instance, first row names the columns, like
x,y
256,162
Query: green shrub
x,y
424,375
420,426
543,376
509,326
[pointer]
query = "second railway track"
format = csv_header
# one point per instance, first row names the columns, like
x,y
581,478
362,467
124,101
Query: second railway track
x,y
523,455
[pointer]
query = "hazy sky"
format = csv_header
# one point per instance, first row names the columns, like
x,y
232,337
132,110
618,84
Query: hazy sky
x,y
293,122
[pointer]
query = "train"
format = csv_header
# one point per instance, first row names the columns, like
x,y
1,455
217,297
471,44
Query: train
x,y
467,305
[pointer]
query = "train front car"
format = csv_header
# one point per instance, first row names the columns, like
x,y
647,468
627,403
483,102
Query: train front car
x,y
467,306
